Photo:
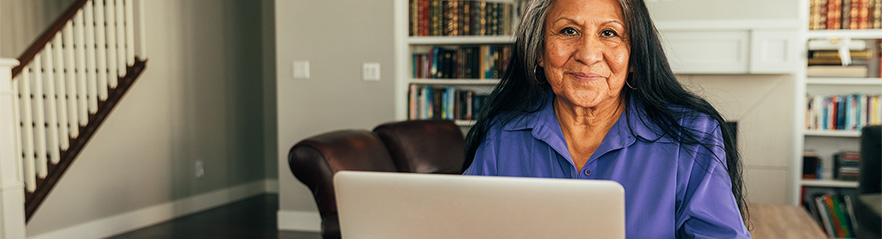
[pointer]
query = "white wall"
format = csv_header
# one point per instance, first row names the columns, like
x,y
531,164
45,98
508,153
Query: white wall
x,y
200,98
336,37
673,10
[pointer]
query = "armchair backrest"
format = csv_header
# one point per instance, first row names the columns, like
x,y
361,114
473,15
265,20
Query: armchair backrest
x,y
315,160
424,146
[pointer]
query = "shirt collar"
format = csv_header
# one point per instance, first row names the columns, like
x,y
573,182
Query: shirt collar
x,y
545,127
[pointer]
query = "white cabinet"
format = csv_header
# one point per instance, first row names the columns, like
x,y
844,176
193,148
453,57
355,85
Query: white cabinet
x,y
707,52
774,51
731,47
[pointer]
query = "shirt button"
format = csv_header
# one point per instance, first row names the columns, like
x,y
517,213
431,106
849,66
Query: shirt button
x,y
587,172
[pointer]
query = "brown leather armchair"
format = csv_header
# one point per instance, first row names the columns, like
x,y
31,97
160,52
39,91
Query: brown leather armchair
x,y
420,146
424,146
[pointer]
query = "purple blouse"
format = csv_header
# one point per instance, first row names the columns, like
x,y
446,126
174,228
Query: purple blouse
x,y
671,190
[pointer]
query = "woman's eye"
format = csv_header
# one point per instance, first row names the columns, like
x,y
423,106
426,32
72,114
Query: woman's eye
x,y
569,31
609,33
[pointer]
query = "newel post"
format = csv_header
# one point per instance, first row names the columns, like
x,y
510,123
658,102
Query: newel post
x,y
12,212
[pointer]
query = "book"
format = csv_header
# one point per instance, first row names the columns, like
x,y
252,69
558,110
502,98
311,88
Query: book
x,y
834,217
849,208
810,165
841,217
824,44
877,14
823,211
845,15
837,71
833,54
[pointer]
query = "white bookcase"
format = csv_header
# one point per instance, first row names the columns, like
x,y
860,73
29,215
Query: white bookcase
x,y
825,143
406,45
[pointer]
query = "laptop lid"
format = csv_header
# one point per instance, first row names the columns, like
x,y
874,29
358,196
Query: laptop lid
x,y
428,206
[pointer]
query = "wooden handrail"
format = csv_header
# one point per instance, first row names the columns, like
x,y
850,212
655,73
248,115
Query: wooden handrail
x,y
47,36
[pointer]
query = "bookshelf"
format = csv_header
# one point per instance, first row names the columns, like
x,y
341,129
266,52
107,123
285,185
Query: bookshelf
x,y
474,55
829,183
817,92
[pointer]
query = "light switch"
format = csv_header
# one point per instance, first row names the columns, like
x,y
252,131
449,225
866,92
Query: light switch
x,y
301,69
371,71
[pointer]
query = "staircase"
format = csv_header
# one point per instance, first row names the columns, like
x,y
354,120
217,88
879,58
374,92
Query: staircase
x,y
65,85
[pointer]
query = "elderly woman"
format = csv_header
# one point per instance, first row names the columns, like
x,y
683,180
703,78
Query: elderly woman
x,y
589,94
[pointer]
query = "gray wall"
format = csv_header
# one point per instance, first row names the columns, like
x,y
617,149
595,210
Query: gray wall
x,y
200,98
336,37
22,21
271,132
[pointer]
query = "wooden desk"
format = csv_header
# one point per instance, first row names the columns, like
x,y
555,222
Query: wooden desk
x,y
783,221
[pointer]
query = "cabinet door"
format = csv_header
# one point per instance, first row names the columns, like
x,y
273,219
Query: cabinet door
x,y
707,52
773,51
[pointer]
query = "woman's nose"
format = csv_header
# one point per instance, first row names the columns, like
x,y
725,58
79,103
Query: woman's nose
x,y
589,51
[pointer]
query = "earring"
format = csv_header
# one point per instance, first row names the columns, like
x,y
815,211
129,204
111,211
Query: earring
x,y
629,85
536,75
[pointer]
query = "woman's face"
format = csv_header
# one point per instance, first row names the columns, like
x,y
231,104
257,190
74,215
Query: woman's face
x,y
586,51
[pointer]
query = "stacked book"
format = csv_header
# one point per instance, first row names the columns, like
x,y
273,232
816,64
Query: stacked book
x,y
833,210
460,18
436,102
843,112
846,165
812,168
825,60
464,62
845,14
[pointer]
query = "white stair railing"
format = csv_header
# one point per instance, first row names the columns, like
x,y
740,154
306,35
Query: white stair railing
x,y
12,213
64,78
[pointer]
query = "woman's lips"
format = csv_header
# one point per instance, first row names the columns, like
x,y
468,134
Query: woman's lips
x,y
585,77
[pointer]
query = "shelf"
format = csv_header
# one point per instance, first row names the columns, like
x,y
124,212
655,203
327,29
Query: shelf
x,y
854,34
454,81
464,123
829,183
844,81
450,40
832,133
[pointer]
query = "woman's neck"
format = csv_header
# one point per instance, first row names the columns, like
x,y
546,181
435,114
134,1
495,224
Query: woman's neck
x,y
584,128
576,118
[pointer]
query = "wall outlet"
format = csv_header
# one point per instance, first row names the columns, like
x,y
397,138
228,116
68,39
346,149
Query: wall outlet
x,y
199,169
371,71
301,69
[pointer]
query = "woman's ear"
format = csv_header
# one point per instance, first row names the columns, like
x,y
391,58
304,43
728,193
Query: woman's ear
x,y
541,62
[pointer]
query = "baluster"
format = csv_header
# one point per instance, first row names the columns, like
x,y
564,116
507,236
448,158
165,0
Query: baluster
x,y
110,17
27,141
91,65
40,115
60,94
50,99
80,41
101,49
71,78
120,42
138,27
17,117
130,33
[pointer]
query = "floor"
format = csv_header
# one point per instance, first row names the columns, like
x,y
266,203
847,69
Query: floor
x,y
253,217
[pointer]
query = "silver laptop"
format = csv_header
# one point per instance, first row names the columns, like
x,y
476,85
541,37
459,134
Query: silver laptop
x,y
426,206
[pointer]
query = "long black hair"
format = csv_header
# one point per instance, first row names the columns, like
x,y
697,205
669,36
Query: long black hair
x,y
654,87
